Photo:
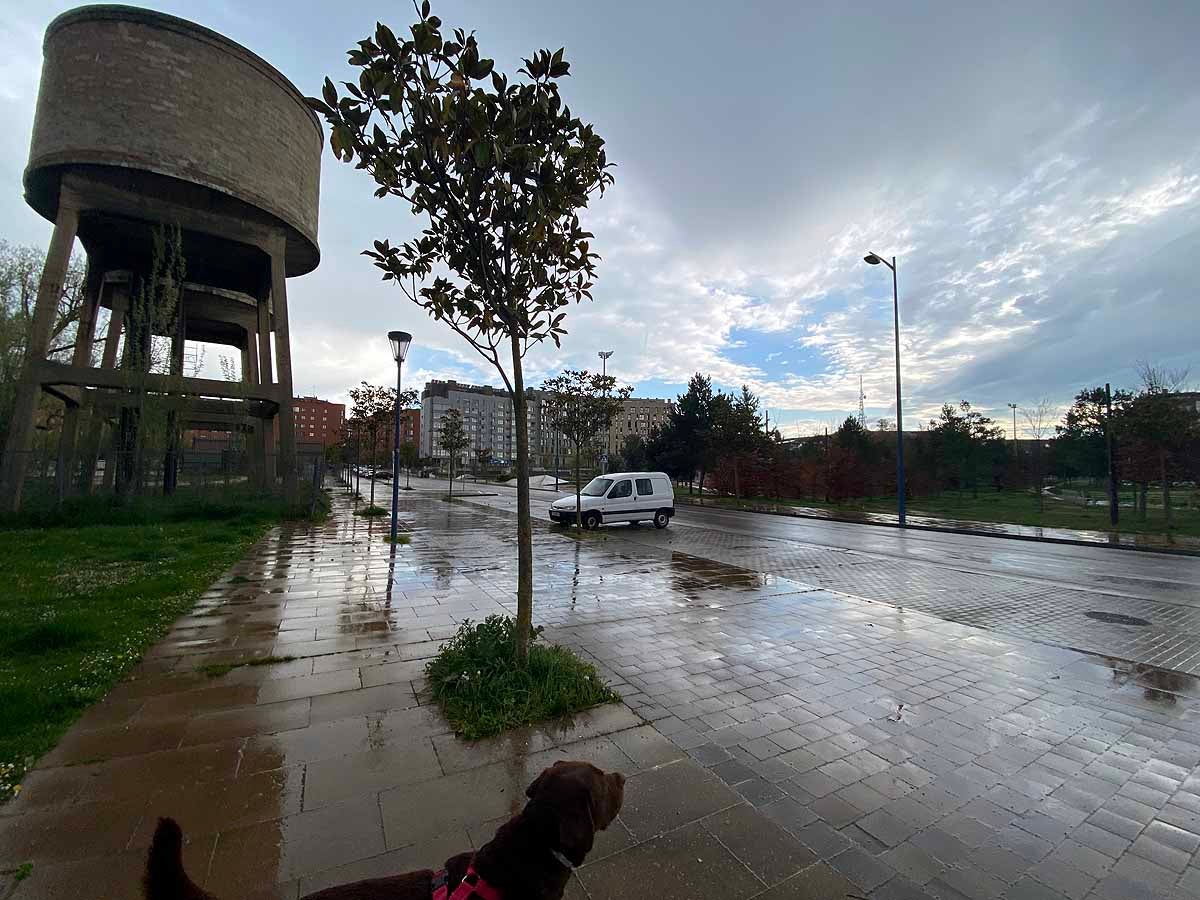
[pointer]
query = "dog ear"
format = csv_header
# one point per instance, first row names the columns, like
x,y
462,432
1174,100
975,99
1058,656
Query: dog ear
x,y
537,784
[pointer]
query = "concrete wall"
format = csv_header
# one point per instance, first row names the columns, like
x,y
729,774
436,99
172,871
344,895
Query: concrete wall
x,y
142,90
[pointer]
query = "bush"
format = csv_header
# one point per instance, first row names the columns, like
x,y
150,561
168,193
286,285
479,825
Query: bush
x,y
482,690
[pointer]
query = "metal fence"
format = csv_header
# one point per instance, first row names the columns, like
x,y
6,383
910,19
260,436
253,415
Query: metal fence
x,y
48,477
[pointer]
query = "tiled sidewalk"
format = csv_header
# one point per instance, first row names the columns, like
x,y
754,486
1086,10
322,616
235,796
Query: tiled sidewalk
x,y
804,743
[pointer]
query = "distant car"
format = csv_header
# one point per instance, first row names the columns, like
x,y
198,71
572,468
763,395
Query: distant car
x,y
382,475
620,497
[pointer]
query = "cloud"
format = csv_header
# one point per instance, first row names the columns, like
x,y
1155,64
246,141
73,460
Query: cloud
x,y
1038,182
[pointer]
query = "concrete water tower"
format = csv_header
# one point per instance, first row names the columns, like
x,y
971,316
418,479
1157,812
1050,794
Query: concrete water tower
x,y
146,120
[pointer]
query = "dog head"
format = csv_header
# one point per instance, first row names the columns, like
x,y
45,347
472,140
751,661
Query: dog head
x,y
580,800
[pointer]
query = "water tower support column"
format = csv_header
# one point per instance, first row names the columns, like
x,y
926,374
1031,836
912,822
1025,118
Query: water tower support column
x,y
20,435
283,362
93,283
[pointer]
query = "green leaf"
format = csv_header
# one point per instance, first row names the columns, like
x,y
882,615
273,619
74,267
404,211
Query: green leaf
x,y
329,92
424,9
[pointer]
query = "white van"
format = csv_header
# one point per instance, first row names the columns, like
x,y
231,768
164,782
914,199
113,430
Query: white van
x,y
620,497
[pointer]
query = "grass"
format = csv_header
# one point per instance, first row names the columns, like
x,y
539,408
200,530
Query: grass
x,y
483,692
216,670
371,511
1011,507
84,591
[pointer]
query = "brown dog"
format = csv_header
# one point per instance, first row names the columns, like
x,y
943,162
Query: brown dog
x,y
529,858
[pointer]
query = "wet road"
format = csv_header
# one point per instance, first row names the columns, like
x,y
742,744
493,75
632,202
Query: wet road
x,y
1148,576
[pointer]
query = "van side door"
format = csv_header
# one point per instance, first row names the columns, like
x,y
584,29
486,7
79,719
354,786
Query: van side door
x,y
619,502
647,500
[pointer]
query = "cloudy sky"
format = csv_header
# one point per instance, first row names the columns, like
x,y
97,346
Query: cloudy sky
x,y
1034,167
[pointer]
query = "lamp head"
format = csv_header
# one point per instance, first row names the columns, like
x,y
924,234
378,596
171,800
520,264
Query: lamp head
x,y
872,260
400,341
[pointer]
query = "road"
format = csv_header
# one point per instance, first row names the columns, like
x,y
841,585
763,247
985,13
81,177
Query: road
x,y
1123,604
1147,576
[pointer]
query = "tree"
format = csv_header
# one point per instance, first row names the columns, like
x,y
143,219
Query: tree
x,y
581,406
410,455
691,430
1038,425
736,430
154,311
962,440
1079,445
501,173
372,408
20,271
452,438
633,452
1159,424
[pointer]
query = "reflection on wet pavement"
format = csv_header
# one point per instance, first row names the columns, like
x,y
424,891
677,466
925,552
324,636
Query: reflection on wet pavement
x,y
793,738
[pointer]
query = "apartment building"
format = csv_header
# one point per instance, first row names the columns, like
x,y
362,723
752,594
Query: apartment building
x,y
487,419
317,421
640,416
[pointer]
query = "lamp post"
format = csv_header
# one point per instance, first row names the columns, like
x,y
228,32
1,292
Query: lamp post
x,y
399,341
874,259
1013,407
604,355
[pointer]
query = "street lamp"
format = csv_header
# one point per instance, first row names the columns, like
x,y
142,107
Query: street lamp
x,y
874,259
604,355
1013,407
399,341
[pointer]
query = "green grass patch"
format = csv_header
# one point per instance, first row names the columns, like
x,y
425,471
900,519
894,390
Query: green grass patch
x,y
482,691
371,511
216,670
81,601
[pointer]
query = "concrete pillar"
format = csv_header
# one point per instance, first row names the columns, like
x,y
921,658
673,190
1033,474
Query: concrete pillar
x,y
264,434
118,302
254,449
283,362
93,283
174,426
20,434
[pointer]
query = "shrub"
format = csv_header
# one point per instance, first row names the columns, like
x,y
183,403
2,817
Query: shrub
x,y
483,691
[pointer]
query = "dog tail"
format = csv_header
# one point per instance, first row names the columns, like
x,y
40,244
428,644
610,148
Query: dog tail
x,y
165,878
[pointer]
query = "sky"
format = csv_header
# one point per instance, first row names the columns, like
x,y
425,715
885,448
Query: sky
x,y
1034,168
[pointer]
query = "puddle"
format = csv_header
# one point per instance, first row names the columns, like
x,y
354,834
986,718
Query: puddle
x,y
1157,685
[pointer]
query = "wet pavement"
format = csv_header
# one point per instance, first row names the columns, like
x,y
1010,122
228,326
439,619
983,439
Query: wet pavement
x,y
782,739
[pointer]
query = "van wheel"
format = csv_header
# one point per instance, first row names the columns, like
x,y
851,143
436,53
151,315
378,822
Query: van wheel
x,y
661,519
591,521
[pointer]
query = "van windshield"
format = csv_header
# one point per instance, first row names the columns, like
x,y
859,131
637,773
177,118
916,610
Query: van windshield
x,y
597,487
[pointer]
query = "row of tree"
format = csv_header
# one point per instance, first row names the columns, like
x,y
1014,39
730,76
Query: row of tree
x,y
720,440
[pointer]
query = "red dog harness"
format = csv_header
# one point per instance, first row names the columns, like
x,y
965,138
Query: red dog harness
x,y
473,887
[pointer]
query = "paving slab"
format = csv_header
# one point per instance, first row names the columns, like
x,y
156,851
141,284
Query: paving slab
x,y
795,724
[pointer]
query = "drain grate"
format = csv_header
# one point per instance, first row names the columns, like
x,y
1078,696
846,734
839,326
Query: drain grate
x,y
1115,618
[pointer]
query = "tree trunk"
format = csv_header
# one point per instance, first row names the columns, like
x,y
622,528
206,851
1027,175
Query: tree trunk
x,y
1166,488
578,499
737,485
1140,502
374,442
524,526
450,469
